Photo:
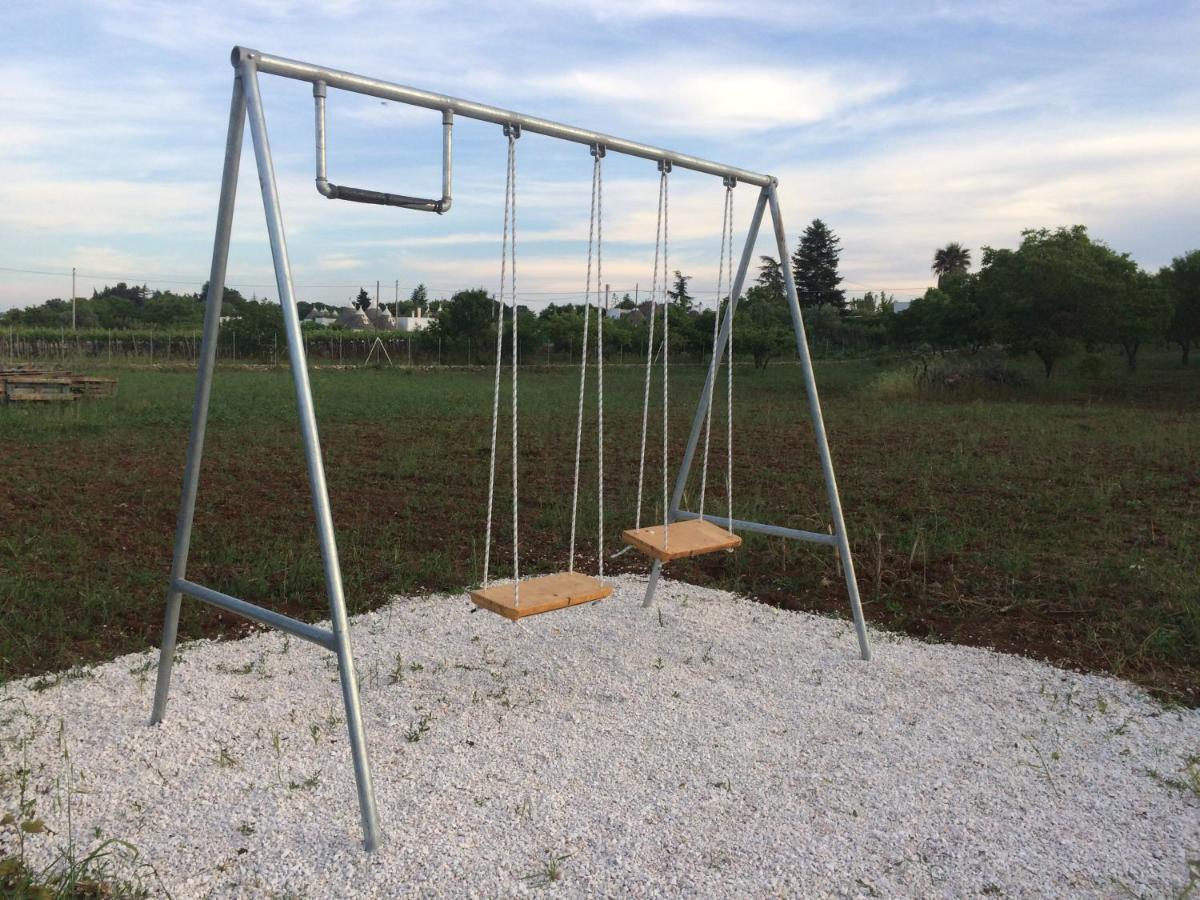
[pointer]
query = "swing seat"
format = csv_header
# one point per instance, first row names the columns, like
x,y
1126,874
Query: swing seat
x,y
692,537
542,594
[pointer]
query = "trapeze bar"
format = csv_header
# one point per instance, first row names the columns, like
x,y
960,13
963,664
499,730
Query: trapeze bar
x,y
360,84
319,636
778,530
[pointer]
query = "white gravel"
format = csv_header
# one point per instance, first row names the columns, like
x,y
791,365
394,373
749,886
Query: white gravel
x,y
721,748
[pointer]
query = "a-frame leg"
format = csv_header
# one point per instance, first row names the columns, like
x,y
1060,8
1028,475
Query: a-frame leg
x,y
768,196
818,422
207,362
247,103
312,454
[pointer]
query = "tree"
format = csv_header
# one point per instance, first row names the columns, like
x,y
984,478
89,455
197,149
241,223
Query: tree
x,y
1182,282
1132,307
762,323
468,316
815,266
770,280
679,293
417,300
953,259
627,303
1040,293
363,300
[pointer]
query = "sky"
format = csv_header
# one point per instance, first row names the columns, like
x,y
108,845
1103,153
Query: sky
x,y
902,125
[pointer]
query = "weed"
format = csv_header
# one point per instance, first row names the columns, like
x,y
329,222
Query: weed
x,y
246,828
308,784
550,872
225,759
419,729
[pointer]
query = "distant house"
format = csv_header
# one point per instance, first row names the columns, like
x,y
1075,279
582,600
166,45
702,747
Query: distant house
x,y
418,321
381,319
320,317
352,318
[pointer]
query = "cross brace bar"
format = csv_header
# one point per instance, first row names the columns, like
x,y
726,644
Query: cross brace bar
x,y
743,525
322,637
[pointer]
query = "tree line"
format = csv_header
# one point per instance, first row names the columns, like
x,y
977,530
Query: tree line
x,y
1057,292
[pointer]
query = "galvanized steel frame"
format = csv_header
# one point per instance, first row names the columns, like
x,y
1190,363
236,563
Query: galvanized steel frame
x,y
246,104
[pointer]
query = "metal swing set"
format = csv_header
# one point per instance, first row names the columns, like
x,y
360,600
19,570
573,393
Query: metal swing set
x,y
682,532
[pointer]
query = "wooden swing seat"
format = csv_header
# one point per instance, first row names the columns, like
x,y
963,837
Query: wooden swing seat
x,y
692,537
542,594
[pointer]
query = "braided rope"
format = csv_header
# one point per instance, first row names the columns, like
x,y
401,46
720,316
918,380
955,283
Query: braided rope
x,y
729,375
649,355
487,544
600,362
665,355
512,172
587,308
716,331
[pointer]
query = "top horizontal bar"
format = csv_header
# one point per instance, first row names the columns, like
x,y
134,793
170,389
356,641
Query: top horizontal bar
x,y
360,84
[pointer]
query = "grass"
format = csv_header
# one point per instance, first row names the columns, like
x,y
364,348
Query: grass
x,y
1057,518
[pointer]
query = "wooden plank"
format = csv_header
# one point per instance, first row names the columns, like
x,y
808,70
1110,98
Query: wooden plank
x,y
693,537
544,593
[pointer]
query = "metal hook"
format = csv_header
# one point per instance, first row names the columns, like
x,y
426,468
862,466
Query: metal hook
x,y
512,130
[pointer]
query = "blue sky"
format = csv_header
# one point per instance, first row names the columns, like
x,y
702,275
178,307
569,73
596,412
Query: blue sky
x,y
902,125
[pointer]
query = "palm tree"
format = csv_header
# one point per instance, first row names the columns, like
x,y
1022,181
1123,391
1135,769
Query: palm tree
x,y
953,259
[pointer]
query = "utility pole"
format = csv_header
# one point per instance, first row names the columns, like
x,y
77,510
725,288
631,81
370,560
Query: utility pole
x,y
397,298
72,298
377,293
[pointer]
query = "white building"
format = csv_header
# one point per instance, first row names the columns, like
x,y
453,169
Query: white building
x,y
416,322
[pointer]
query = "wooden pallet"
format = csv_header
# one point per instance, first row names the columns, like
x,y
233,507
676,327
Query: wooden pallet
x,y
43,388
692,537
29,384
544,593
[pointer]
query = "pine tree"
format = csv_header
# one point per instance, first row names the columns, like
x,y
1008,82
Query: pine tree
x,y
815,266
363,300
679,295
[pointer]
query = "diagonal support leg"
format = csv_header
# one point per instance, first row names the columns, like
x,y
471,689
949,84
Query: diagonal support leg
x,y
312,453
207,362
814,406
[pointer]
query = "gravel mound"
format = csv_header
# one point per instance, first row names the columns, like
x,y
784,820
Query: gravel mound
x,y
714,747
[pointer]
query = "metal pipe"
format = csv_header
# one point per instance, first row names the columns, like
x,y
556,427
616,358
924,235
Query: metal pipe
x,y
818,421
319,636
319,111
312,455
204,374
447,158
360,84
815,537
382,198
709,380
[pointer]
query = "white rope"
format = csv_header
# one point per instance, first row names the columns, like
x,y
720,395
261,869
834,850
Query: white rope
x,y
487,543
600,361
649,354
729,373
512,174
666,350
587,308
716,331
